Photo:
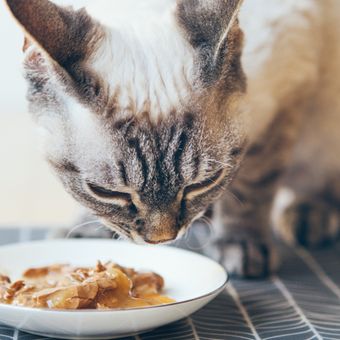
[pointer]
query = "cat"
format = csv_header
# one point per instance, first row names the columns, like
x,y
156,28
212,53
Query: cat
x,y
154,111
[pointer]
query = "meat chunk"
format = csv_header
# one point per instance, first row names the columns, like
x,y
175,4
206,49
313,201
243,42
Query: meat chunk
x,y
147,284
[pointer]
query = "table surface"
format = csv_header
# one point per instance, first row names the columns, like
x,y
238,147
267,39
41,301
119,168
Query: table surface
x,y
301,302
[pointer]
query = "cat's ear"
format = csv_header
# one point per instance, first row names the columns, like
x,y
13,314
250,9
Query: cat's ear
x,y
208,25
64,34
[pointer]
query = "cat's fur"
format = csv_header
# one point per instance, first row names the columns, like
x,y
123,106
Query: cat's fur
x,y
155,102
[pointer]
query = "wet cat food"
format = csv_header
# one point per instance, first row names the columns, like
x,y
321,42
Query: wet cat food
x,y
105,286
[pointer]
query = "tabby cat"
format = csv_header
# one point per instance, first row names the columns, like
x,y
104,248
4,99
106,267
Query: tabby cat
x,y
155,111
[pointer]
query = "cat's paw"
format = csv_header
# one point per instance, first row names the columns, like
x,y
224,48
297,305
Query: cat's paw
x,y
246,258
310,223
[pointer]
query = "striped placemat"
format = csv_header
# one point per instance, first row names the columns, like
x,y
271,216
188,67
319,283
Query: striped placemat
x,y
301,302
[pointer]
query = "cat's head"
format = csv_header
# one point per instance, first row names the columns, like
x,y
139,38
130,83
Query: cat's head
x,y
138,102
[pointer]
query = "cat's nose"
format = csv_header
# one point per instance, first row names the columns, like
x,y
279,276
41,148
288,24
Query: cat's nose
x,y
162,229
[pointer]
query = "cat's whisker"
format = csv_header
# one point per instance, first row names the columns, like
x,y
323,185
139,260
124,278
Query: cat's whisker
x,y
121,236
79,226
202,131
211,232
225,165
207,239
121,232
234,197
209,223
102,226
228,192
186,235
217,185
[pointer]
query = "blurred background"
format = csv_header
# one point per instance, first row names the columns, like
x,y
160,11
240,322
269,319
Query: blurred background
x,y
30,195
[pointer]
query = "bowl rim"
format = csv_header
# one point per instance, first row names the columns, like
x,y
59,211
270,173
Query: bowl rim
x,y
215,292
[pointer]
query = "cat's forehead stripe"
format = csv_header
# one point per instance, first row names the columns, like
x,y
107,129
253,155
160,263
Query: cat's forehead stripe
x,y
160,153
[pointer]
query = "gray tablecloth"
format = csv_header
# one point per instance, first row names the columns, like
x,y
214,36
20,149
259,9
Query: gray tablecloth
x,y
301,302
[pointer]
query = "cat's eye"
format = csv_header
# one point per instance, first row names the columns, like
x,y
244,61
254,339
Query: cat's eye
x,y
108,195
200,188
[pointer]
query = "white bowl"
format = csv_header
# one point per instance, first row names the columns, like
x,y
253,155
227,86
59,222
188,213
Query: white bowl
x,y
191,279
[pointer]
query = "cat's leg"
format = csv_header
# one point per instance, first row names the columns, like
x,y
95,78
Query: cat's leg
x,y
307,210
308,213
243,241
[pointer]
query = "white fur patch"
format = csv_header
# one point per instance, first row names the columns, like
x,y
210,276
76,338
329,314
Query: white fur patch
x,y
145,58
72,131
